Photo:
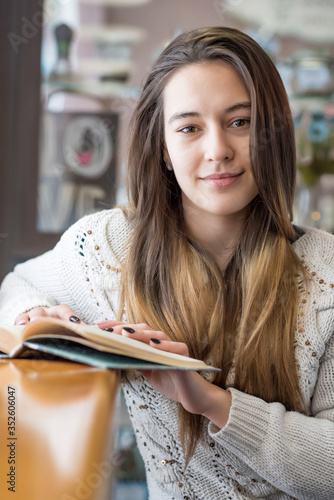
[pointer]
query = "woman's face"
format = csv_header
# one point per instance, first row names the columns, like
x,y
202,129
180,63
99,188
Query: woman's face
x,y
207,124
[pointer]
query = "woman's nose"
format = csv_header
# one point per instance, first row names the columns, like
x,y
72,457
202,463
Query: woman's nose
x,y
217,146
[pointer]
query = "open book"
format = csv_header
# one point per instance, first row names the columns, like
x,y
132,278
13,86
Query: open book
x,y
88,344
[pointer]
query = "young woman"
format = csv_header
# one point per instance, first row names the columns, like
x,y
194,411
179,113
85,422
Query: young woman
x,y
206,262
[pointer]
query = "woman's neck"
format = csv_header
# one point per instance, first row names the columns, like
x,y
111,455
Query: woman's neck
x,y
218,235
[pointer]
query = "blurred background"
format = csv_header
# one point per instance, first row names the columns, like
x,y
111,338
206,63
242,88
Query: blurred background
x,y
71,72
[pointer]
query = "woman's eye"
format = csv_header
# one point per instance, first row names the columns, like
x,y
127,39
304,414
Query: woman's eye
x,y
242,122
189,129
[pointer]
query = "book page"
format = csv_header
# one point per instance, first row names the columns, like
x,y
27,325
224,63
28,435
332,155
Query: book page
x,y
10,337
106,341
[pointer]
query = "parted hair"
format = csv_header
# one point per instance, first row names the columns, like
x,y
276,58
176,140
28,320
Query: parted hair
x,y
243,318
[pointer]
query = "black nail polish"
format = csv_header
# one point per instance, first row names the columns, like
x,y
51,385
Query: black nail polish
x,y
75,319
128,329
156,341
108,329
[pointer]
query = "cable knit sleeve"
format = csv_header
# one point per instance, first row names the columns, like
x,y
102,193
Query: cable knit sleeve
x,y
292,452
31,284
46,280
81,271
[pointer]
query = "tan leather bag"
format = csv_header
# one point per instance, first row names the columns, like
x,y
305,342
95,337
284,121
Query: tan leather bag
x,y
56,430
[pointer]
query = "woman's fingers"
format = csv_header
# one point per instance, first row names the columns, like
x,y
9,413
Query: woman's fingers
x,y
112,323
156,339
135,330
107,323
25,318
170,346
61,311
143,335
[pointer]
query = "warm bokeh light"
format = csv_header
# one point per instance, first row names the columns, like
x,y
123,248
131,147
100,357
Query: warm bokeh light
x,y
316,215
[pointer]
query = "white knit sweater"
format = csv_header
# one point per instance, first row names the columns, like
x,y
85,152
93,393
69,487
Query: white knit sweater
x,y
264,451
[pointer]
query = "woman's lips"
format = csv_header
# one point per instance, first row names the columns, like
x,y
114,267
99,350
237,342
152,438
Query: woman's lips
x,y
220,180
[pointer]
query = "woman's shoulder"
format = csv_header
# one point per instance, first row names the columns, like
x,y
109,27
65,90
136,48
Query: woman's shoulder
x,y
103,222
315,247
314,242
106,229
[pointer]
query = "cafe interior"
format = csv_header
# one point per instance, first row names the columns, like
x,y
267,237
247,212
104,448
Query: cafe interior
x,y
71,74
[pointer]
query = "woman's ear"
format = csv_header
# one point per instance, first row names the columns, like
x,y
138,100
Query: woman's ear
x,y
167,161
165,154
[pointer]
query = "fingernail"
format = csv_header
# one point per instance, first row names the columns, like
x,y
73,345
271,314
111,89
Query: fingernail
x,y
101,322
128,329
75,319
22,322
108,329
155,341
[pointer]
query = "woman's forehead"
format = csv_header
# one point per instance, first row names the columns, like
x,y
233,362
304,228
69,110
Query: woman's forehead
x,y
205,84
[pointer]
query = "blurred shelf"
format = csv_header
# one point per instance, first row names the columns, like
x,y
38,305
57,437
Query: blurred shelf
x,y
312,103
100,66
111,33
100,89
116,3
312,97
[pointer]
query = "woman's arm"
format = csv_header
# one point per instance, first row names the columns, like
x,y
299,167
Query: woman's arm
x,y
31,284
293,452
82,271
54,278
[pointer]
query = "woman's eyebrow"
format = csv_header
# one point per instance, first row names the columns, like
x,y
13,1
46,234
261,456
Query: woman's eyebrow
x,y
194,114
185,114
236,107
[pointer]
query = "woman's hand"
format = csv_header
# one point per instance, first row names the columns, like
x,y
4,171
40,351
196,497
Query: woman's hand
x,y
196,394
62,311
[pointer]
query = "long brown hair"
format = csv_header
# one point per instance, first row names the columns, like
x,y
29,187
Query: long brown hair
x,y
244,318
